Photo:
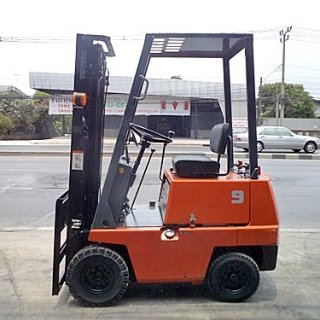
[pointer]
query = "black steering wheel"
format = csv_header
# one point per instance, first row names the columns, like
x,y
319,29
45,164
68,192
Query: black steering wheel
x,y
150,135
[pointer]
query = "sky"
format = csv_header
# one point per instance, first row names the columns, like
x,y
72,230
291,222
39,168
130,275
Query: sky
x,y
40,36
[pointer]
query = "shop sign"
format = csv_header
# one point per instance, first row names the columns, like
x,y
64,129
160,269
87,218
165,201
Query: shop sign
x,y
60,105
240,123
160,107
174,107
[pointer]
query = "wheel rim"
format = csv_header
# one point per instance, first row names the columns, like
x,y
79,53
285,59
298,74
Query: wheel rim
x,y
310,147
234,278
98,277
259,146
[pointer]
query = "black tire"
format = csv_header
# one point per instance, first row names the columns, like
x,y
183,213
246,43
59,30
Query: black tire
x,y
97,276
310,147
233,277
296,150
260,146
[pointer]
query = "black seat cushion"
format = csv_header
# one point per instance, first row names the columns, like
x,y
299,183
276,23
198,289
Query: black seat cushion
x,y
195,166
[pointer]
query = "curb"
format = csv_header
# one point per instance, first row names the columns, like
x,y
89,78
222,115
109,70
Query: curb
x,y
267,156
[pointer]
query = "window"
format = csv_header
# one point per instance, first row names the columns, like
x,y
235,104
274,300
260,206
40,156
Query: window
x,y
268,132
284,132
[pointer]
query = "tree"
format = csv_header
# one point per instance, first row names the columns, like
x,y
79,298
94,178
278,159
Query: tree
x,y
22,114
5,124
42,121
298,102
176,77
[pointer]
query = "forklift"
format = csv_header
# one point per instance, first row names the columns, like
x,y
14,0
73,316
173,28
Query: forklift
x,y
215,222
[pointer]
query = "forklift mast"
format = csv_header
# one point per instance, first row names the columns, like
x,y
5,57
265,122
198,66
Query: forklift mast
x,y
120,176
75,209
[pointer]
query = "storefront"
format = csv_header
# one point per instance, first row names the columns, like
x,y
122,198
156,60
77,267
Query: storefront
x,y
190,108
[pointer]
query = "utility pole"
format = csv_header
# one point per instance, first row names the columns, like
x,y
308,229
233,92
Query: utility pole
x,y
277,106
283,38
260,103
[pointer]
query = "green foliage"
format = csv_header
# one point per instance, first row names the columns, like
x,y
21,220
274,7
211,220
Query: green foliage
x,y
298,103
24,118
42,121
176,77
5,124
22,114
30,119
61,124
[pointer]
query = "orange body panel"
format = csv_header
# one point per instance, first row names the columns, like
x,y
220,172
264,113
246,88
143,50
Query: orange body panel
x,y
156,259
223,219
216,201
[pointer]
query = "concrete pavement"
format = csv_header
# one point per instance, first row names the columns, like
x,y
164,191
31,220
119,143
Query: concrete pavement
x,y
289,292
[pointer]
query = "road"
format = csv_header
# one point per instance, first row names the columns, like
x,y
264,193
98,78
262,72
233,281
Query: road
x,y
37,181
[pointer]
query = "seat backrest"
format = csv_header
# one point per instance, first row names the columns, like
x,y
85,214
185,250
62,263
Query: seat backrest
x,y
219,137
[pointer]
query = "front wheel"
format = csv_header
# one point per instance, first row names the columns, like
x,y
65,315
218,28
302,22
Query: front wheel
x,y
259,146
233,277
310,147
97,276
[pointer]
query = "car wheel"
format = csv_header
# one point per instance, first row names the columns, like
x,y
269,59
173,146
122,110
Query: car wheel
x,y
233,277
97,276
310,147
296,150
259,146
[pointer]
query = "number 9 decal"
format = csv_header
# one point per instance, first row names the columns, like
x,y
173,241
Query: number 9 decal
x,y
237,197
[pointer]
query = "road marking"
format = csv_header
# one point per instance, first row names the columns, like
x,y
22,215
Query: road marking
x,y
41,219
4,189
297,230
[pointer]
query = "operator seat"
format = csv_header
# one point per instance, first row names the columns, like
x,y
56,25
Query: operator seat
x,y
201,166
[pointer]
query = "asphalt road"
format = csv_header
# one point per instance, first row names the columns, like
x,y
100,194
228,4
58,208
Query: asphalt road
x,y
29,187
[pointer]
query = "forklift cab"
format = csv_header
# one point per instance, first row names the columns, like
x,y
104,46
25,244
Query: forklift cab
x,y
211,225
216,46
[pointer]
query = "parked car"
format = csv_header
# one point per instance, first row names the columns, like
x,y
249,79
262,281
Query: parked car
x,y
278,138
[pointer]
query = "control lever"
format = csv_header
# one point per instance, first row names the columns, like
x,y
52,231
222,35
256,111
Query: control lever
x,y
142,178
170,135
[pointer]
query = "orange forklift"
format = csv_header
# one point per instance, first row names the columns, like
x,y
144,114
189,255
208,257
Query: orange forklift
x,y
214,223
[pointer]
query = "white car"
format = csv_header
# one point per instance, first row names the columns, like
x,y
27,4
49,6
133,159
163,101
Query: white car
x,y
274,137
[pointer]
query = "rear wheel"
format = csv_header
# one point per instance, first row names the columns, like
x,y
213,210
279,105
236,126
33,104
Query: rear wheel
x,y
97,276
259,146
310,147
233,277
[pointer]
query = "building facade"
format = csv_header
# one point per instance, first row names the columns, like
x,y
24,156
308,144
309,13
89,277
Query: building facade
x,y
190,108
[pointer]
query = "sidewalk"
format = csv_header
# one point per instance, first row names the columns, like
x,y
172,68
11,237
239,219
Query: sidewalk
x,y
60,146
66,141
289,292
